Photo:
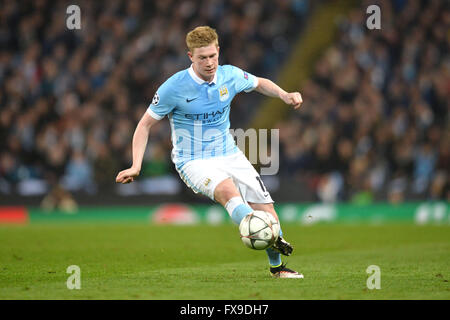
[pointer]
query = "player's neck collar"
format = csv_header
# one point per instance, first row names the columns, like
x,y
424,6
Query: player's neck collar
x,y
200,80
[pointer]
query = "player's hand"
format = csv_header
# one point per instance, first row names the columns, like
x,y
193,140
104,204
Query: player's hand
x,y
127,176
293,98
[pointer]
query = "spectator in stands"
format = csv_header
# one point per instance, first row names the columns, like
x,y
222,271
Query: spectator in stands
x,y
382,99
66,94
375,109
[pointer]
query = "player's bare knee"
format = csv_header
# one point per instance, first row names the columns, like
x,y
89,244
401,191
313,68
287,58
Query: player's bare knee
x,y
225,191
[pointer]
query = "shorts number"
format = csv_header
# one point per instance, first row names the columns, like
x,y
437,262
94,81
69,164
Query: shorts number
x,y
261,184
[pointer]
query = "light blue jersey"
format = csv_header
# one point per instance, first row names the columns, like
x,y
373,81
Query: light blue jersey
x,y
199,112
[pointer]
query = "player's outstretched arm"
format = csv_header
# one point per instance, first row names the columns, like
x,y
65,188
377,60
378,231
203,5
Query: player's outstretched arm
x,y
140,139
269,88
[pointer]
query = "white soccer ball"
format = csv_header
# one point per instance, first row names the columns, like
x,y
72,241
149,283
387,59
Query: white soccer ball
x,y
259,230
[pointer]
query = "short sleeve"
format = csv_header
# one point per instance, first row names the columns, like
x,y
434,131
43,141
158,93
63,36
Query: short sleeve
x,y
162,102
243,80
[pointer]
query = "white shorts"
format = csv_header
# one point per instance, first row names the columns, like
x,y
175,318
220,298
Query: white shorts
x,y
203,176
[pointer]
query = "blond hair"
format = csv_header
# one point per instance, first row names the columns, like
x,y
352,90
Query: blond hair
x,y
202,36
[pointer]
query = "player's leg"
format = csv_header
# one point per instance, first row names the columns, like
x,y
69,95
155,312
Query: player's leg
x,y
208,177
211,179
252,189
267,207
229,197
277,268
282,246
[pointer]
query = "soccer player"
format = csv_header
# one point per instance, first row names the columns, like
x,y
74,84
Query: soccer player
x,y
197,103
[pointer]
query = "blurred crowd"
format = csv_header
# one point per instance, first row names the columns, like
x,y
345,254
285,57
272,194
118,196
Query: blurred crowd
x,y
70,99
374,124
375,121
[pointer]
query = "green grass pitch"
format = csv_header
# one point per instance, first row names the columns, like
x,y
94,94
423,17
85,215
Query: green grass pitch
x,y
132,261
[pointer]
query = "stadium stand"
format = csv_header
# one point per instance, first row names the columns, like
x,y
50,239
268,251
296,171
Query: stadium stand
x,y
70,99
374,125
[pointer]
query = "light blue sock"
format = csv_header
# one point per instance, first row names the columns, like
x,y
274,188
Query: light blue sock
x,y
240,212
274,256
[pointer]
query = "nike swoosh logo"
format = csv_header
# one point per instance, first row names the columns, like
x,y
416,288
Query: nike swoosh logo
x,y
189,100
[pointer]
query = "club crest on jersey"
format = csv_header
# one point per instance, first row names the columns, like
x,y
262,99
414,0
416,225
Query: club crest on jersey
x,y
223,91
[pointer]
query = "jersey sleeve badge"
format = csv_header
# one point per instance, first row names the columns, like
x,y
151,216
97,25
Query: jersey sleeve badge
x,y
155,99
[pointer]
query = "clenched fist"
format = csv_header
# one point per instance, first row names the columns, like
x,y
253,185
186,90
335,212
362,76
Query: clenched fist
x,y
293,98
127,176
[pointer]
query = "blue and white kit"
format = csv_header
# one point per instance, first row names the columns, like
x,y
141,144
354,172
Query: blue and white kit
x,y
204,151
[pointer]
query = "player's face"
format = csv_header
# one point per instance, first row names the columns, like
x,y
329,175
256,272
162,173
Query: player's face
x,y
205,61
